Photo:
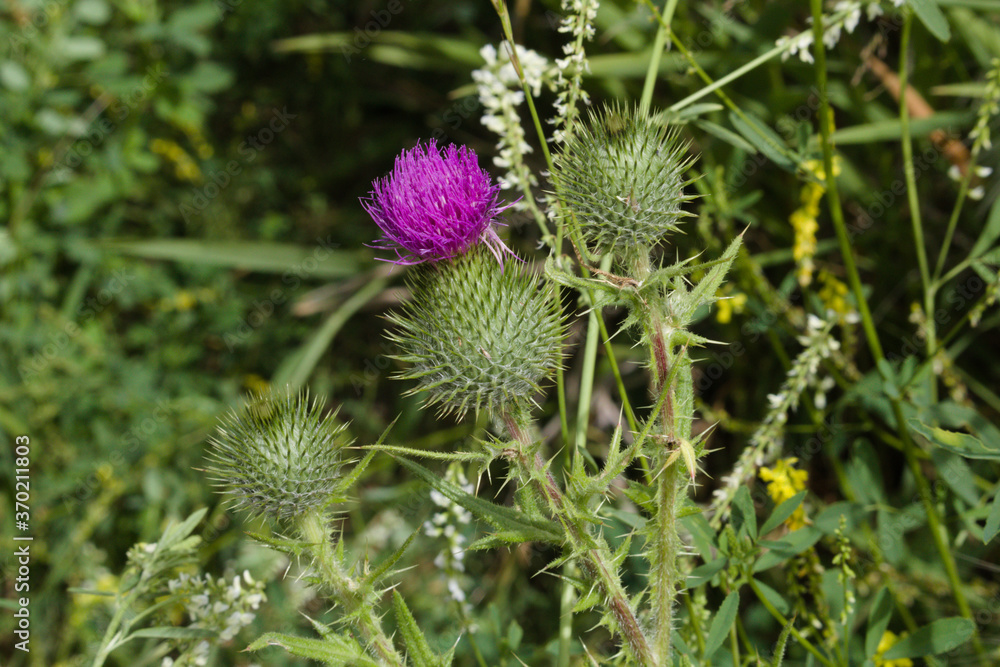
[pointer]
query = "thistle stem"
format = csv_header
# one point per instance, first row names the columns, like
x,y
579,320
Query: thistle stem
x,y
350,594
593,554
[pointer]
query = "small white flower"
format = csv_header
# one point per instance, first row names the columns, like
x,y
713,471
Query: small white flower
x,y
983,172
977,193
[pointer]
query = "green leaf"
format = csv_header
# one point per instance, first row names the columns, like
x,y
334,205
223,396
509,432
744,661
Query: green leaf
x,y
782,512
726,135
172,632
990,233
792,544
721,624
773,596
292,260
937,637
892,129
333,650
879,616
764,139
992,526
417,649
962,444
498,516
295,370
387,564
704,573
705,290
932,18
744,514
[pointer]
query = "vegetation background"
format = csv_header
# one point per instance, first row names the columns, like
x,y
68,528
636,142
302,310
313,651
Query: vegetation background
x,y
180,182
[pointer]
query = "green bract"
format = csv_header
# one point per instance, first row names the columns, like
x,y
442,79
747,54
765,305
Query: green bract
x,y
478,335
279,457
622,177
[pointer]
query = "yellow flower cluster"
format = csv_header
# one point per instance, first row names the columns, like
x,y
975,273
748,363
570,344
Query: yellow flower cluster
x,y
834,295
184,300
888,640
727,305
184,167
201,147
783,482
803,220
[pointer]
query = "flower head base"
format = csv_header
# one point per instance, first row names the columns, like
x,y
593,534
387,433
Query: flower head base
x,y
477,335
622,178
435,204
280,457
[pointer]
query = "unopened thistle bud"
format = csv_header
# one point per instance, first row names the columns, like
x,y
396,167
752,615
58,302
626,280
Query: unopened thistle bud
x,y
622,177
478,335
279,457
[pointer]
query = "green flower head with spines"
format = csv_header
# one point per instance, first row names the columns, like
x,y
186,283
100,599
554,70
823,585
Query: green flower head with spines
x,y
622,178
280,456
478,335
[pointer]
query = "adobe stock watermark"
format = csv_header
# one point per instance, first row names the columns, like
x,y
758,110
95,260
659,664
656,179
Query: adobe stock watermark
x,y
363,37
219,180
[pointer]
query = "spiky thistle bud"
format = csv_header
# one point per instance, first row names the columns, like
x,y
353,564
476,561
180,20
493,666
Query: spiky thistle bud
x,y
279,457
478,335
622,177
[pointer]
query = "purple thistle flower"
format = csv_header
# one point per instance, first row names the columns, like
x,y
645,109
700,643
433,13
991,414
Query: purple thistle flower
x,y
435,204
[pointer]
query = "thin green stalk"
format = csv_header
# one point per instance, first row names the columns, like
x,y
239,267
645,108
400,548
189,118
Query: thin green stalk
x,y
956,211
346,591
653,71
699,636
806,644
912,197
907,142
938,531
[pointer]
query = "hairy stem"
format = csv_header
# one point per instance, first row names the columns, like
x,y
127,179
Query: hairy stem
x,y
356,601
594,556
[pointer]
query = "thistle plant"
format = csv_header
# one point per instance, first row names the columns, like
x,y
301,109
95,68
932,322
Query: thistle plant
x,y
282,457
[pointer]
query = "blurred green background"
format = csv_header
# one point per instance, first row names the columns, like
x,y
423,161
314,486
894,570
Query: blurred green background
x,y
180,182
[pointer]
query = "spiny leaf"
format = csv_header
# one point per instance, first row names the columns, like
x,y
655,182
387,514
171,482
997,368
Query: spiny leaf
x,y
334,650
373,578
502,518
417,649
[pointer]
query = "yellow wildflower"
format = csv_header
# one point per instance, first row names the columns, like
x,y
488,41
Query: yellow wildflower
x,y
803,220
256,384
727,305
783,482
888,640
834,295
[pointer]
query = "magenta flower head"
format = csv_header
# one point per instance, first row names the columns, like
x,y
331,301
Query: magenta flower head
x,y
436,204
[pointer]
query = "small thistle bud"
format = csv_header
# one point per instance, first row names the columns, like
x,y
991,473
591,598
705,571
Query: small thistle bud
x,y
435,204
478,335
279,457
623,179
